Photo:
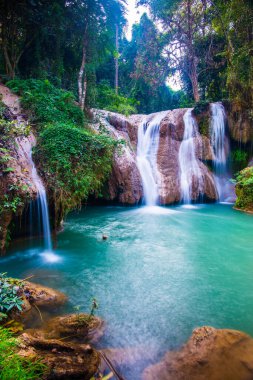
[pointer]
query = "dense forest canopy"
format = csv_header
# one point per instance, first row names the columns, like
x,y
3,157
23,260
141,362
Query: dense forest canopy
x,y
80,45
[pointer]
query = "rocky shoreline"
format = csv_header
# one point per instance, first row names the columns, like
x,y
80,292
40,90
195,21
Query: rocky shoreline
x,y
66,344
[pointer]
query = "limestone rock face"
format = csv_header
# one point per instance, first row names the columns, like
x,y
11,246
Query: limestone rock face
x,y
240,123
124,185
171,136
19,150
209,354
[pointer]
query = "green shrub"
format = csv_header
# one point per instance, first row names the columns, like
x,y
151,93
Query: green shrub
x,y
13,366
239,156
10,296
45,103
12,196
108,100
76,162
244,189
201,107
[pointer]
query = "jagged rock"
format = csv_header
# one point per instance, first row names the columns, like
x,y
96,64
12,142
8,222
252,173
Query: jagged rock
x,y
61,346
172,125
43,296
81,327
63,360
209,354
124,184
171,136
203,148
129,126
21,174
5,220
168,167
240,123
37,299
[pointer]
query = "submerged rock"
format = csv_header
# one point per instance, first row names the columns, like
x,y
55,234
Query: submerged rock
x,y
211,354
80,327
43,296
35,300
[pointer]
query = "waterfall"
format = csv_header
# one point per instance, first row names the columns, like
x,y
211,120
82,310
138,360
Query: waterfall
x,y
42,206
220,146
148,142
218,137
39,215
191,180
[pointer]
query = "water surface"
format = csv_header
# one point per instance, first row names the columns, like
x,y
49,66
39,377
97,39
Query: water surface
x,y
161,273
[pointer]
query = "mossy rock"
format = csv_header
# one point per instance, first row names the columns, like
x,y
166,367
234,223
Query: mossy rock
x,y
202,115
200,108
244,189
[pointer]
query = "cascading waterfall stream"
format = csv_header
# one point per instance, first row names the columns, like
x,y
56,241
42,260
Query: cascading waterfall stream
x,y
190,172
218,124
220,147
43,206
148,142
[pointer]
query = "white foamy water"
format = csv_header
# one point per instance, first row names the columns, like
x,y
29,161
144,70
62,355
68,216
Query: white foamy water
x,y
190,172
148,142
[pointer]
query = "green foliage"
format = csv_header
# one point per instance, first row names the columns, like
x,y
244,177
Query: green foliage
x,y
94,307
244,189
75,162
239,156
10,294
45,103
201,107
2,108
107,99
12,196
13,366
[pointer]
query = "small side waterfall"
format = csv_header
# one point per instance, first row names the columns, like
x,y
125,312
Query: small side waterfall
x,y
218,137
190,173
220,146
148,142
42,207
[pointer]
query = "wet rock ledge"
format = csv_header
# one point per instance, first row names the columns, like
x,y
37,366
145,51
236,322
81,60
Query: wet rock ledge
x,y
210,354
62,343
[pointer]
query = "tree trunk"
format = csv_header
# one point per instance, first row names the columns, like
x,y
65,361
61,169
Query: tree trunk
x,y
82,80
117,61
195,86
191,53
9,68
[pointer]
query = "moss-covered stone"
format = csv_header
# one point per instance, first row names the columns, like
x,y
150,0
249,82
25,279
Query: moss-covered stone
x,y
244,189
202,114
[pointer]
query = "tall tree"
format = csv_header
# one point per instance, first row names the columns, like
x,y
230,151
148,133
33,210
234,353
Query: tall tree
x,y
183,21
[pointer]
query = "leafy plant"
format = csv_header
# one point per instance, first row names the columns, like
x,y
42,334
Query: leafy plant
x,y
244,189
239,156
94,306
74,161
107,99
45,103
13,366
10,295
